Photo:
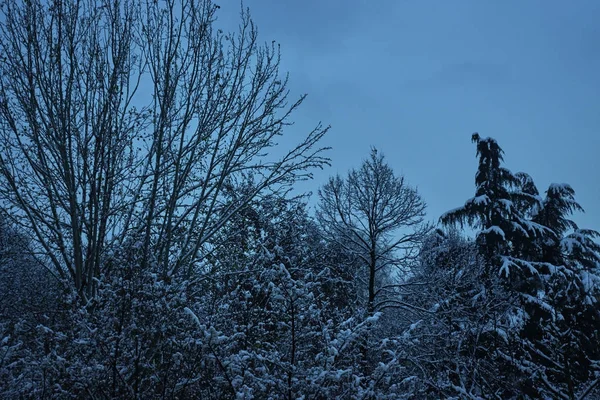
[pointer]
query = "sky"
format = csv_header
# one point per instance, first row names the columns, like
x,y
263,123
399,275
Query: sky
x,y
416,78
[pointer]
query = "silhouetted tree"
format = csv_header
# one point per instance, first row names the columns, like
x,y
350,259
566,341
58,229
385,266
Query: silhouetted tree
x,y
379,218
120,120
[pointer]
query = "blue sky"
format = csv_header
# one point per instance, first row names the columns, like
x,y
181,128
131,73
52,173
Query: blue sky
x,y
417,78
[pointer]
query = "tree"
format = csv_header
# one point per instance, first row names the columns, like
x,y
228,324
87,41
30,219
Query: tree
x,y
27,305
379,219
126,119
450,347
542,276
124,126
497,207
562,342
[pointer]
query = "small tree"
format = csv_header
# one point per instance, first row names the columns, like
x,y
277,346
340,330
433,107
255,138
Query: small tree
x,y
379,218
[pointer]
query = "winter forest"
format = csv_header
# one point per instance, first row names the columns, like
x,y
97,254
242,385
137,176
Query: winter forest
x,y
152,245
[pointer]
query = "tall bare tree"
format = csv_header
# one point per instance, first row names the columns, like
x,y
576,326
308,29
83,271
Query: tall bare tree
x,y
379,218
121,121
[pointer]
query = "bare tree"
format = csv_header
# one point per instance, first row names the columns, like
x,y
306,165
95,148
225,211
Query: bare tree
x,y
124,119
379,218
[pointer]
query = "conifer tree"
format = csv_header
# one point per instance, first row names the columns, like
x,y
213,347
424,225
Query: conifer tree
x,y
562,340
496,208
544,269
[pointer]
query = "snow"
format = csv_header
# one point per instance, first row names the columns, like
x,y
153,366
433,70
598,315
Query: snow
x,y
534,227
569,243
562,187
507,204
590,281
193,315
496,230
502,333
479,200
517,318
519,228
536,300
412,328
505,268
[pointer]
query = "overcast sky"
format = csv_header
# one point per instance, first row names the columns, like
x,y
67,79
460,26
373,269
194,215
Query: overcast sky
x,y
417,78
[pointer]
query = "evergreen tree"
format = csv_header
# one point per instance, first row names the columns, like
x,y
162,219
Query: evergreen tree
x,y
508,279
496,208
545,277
562,340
